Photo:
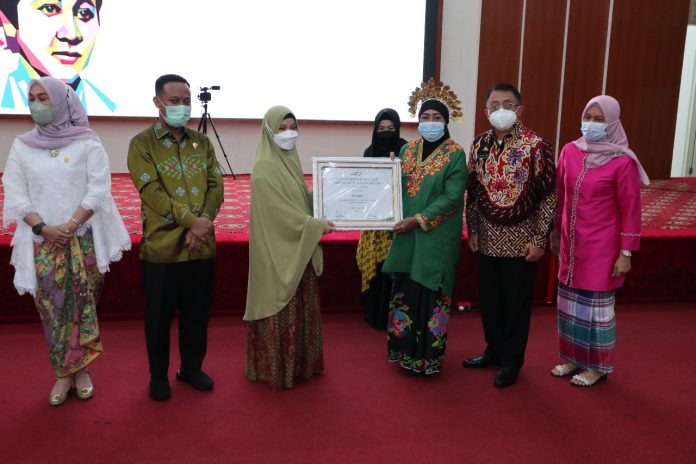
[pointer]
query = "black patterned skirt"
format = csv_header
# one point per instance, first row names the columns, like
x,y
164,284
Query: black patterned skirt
x,y
417,329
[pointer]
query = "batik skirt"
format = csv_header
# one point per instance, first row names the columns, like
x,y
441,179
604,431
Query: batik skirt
x,y
587,328
288,345
68,287
417,329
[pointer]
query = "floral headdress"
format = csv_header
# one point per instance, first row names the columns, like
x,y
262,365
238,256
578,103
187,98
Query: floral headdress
x,y
435,90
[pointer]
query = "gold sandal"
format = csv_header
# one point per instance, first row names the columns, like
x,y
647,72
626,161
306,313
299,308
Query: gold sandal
x,y
85,392
56,399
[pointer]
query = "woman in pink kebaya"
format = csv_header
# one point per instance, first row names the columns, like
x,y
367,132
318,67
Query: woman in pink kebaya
x,y
597,228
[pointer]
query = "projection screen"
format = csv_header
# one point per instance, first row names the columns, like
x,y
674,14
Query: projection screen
x,y
327,60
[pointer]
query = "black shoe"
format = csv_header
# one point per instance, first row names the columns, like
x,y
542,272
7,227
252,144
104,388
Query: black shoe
x,y
160,389
505,377
199,380
482,360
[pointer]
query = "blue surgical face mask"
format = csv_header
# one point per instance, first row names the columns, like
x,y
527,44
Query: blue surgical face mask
x,y
431,131
593,131
177,115
41,113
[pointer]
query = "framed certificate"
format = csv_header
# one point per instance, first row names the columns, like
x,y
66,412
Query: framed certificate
x,y
357,193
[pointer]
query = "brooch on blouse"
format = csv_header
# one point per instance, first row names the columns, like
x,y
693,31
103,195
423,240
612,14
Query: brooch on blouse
x,y
53,152
483,153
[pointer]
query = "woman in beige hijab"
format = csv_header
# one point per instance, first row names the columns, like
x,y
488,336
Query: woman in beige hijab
x,y
284,339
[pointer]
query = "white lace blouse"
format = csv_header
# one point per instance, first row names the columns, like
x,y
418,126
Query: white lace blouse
x,y
53,183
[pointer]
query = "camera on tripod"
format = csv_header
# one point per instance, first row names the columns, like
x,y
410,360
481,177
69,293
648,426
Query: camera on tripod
x,y
205,96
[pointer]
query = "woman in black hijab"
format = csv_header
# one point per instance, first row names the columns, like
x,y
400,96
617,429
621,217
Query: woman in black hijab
x,y
386,135
374,245
431,143
425,249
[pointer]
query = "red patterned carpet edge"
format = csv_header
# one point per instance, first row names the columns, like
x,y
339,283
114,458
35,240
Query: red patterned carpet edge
x,y
232,221
668,209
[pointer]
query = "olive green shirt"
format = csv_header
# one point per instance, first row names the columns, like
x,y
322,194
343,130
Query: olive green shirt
x,y
177,182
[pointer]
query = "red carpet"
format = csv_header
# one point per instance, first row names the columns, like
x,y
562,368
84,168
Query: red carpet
x,y
663,270
669,204
362,410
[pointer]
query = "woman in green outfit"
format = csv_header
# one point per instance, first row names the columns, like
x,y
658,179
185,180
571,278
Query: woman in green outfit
x,y
425,251
284,338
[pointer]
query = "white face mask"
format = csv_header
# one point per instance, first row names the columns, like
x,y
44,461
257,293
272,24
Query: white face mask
x,y
286,139
502,119
594,131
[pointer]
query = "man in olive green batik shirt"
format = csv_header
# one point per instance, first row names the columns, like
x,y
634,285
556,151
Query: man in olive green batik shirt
x,y
181,188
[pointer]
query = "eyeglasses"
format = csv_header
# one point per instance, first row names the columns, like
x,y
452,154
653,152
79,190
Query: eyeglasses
x,y
508,106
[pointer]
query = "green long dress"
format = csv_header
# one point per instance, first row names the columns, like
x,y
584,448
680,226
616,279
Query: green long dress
x,y
423,261
284,339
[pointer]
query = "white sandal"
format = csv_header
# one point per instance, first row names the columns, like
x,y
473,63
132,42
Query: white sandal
x,y
561,371
585,382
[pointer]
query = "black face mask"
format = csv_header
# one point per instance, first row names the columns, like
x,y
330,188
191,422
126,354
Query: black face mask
x,y
385,142
386,136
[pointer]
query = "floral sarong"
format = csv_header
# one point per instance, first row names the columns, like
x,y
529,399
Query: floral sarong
x,y
68,287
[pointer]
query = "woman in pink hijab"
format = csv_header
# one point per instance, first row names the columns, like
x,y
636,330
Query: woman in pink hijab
x,y
58,191
596,230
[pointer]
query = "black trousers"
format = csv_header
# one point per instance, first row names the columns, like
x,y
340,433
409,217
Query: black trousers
x,y
187,286
507,286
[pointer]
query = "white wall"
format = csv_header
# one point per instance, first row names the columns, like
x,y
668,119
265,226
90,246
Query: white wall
x,y
686,113
461,25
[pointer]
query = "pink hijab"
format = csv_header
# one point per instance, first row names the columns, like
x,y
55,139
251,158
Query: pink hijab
x,y
69,118
616,143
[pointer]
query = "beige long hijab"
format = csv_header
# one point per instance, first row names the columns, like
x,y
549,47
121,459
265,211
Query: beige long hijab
x,y
283,235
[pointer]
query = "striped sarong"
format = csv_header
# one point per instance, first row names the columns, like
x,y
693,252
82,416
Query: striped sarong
x,y
587,328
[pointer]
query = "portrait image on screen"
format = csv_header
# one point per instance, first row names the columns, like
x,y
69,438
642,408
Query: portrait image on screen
x,y
49,38
328,60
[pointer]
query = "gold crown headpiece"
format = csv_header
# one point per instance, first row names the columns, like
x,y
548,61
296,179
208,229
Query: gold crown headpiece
x,y
435,90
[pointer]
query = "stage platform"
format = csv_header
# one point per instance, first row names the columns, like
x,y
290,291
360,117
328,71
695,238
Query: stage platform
x,y
663,271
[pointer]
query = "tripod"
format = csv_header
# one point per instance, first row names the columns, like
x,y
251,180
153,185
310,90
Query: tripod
x,y
203,127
